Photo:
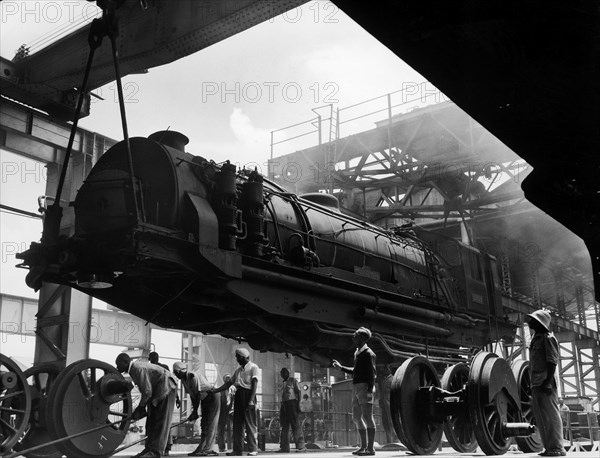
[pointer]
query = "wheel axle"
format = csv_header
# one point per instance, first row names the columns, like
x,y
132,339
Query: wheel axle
x,y
476,405
517,429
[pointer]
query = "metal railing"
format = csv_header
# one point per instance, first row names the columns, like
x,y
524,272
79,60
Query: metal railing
x,y
331,429
358,117
584,433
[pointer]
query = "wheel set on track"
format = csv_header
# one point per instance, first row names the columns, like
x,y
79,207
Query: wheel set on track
x,y
48,411
486,404
83,410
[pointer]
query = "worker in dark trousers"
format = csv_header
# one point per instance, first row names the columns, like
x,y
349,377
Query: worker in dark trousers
x,y
544,358
288,413
225,417
245,380
363,390
158,389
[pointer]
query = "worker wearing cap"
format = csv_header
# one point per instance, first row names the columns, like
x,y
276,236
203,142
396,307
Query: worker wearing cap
x,y
544,358
363,389
157,388
245,380
202,395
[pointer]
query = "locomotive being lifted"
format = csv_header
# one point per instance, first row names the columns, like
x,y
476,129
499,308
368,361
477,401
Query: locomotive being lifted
x,y
188,244
192,245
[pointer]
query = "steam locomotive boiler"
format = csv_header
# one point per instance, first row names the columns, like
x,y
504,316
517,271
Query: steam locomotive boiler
x,y
192,245
189,244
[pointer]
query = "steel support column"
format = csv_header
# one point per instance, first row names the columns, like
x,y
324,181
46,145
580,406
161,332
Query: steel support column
x,y
505,269
520,344
569,377
560,291
579,297
63,317
535,284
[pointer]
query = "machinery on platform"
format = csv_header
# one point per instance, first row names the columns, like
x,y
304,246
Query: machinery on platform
x,y
189,244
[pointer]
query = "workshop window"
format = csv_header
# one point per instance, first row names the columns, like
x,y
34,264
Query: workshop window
x,y
210,372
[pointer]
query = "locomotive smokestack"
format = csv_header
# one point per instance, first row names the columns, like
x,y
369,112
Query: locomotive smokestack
x,y
170,138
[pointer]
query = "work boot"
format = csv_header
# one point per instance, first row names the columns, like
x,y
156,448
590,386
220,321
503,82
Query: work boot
x,y
370,449
363,442
197,452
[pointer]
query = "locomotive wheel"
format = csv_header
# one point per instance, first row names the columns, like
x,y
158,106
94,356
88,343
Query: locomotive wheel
x,y
77,402
15,403
307,429
493,401
40,379
274,430
522,373
420,435
457,427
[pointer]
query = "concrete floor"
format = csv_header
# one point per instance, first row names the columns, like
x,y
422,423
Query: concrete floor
x,y
183,449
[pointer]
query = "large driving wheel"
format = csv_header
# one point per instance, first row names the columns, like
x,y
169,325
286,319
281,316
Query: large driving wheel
x,y
493,399
522,373
457,427
80,399
417,432
40,379
307,429
15,403
274,429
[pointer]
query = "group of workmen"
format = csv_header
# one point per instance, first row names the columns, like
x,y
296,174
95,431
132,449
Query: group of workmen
x,y
158,390
237,394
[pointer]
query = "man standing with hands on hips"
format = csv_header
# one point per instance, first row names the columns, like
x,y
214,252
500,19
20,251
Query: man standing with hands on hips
x,y
544,358
363,387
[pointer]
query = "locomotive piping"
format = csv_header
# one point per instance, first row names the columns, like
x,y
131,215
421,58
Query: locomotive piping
x,y
378,316
347,332
371,301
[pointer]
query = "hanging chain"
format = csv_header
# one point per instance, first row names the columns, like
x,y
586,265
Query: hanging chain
x,y
106,26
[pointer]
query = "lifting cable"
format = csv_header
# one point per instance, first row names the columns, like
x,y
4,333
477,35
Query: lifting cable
x,y
83,433
106,26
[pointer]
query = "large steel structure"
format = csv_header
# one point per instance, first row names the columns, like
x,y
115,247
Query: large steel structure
x,y
437,167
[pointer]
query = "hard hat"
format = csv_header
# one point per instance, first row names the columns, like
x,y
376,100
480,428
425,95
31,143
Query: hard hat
x,y
542,317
